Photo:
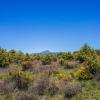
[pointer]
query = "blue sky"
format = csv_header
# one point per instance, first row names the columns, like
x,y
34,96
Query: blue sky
x,y
56,25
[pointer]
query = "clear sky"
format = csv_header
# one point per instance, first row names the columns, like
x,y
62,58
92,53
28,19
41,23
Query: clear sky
x,y
56,25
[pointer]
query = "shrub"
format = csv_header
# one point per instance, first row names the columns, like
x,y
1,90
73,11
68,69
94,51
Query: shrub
x,y
84,73
46,60
86,54
62,84
23,74
61,62
4,60
7,87
53,88
22,79
54,58
63,75
65,56
41,86
25,96
90,59
98,77
72,89
70,64
52,69
27,65
21,83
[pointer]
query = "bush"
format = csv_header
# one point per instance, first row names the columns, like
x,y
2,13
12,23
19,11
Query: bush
x,y
46,60
41,86
52,89
25,96
86,54
90,59
4,60
70,64
7,87
52,69
21,83
61,62
84,74
22,79
65,56
98,77
27,65
63,75
72,89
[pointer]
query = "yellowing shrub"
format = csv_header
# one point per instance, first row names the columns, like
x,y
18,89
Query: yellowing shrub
x,y
84,73
22,79
27,65
63,75
71,64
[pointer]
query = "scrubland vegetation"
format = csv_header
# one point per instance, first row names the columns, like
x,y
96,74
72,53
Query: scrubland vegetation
x,y
61,76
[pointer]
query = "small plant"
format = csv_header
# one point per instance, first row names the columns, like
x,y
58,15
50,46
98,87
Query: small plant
x,y
70,64
72,89
63,75
7,87
25,96
27,65
46,60
61,62
52,69
41,86
53,88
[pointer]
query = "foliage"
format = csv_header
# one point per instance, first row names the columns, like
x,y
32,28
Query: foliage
x,y
63,75
84,73
41,86
70,64
86,54
65,56
7,87
27,65
46,60
4,61
61,61
72,89
53,88
25,96
22,79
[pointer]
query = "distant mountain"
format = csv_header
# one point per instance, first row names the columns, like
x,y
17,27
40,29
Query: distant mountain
x,y
46,52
